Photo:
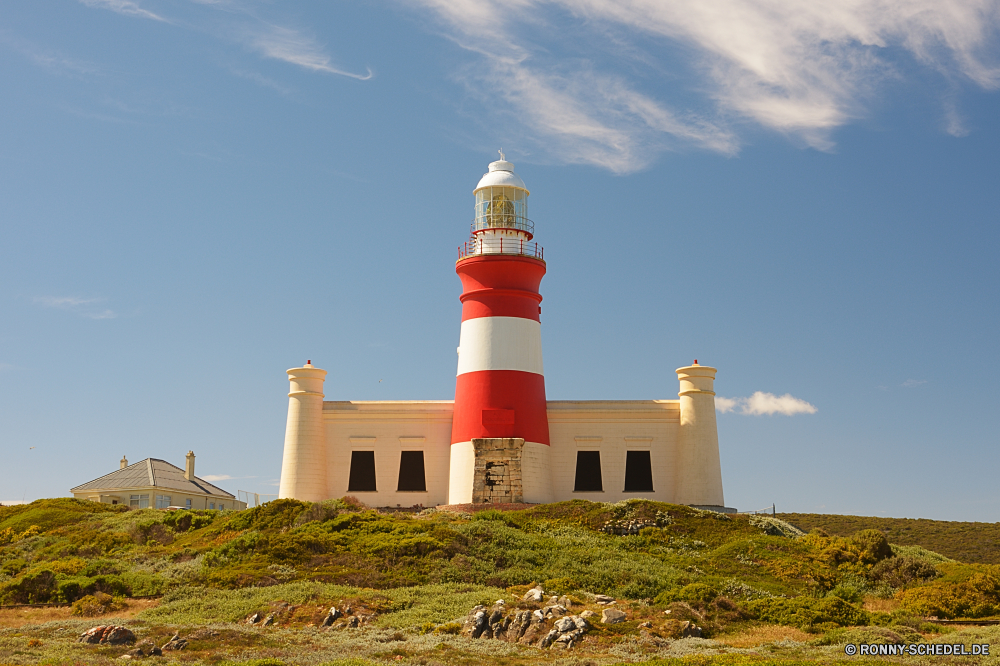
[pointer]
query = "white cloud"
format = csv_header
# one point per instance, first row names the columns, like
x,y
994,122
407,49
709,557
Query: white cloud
x,y
290,45
85,307
217,477
800,68
126,7
761,403
910,383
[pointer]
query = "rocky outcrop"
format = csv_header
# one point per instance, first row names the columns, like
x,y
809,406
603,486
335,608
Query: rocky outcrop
x,y
110,634
551,626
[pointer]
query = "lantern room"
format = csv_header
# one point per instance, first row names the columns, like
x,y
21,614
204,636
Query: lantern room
x,y
501,224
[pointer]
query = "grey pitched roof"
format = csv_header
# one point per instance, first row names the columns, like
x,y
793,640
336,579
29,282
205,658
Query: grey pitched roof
x,y
152,472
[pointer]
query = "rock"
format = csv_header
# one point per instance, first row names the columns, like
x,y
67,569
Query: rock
x,y
690,630
646,625
175,643
479,623
108,634
353,623
538,616
498,602
553,600
253,619
612,616
348,610
495,616
332,617
534,594
588,614
554,611
565,624
564,602
549,637
268,621
517,627
533,633
155,652
603,599
570,637
581,622
125,656
137,652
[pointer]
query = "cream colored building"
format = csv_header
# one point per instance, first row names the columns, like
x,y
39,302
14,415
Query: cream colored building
x,y
502,441
398,453
154,483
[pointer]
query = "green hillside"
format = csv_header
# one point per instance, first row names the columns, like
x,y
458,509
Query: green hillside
x,y
420,574
966,542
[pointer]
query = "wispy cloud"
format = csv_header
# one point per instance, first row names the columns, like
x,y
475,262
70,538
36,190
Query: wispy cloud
x,y
84,307
910,383
126,7
799,68
292,46
761,403
47,58
217,477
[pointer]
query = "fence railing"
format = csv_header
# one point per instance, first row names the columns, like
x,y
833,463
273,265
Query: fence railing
x,y
503,221
499,245
254,499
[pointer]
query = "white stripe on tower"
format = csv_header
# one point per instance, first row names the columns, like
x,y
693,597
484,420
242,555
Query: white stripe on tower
x,y
500,343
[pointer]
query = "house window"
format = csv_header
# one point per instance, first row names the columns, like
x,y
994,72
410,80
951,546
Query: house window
x,y
588,472
187,504
211,505
162,501
638,472
138,501
362,477
411,472
222,506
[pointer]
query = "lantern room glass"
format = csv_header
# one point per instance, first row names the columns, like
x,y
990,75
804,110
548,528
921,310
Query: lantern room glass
x,y
502,208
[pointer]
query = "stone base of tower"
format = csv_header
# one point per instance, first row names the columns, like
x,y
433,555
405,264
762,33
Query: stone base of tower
x,y
497,478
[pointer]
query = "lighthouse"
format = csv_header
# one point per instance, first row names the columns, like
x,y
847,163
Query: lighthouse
x,y
500,429
501,440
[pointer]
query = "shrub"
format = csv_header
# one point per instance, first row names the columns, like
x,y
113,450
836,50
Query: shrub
x,y
13,567
902,571
775,527
806,612
32,588
697,592
98,604
873,545
979,596
848,592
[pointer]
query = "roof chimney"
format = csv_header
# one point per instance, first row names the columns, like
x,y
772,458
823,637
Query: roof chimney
x,y
189,466
123,463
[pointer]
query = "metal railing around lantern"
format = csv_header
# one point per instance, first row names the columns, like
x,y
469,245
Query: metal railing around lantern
x,y
499,245
505,220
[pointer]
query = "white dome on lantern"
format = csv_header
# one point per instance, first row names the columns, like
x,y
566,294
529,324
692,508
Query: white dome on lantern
x,y
501,174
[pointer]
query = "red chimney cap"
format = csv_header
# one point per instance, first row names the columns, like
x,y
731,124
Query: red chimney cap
x,y
310,362
696,361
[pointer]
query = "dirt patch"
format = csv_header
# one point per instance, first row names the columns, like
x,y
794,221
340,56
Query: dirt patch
x,y
757,636
18,617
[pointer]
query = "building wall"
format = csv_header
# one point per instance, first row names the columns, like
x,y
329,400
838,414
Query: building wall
x,y
177,498
612,427
388,428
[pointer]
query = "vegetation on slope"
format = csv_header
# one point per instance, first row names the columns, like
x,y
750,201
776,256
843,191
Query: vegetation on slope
x,y
965,542
730,567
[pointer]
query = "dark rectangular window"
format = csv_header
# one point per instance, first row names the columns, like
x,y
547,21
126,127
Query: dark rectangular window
x,y
638,472
362,471
411,471
588,471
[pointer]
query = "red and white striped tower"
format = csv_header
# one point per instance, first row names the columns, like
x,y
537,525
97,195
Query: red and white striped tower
x,y
500,390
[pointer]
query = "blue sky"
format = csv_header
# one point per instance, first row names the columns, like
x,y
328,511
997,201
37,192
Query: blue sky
x,y
198,195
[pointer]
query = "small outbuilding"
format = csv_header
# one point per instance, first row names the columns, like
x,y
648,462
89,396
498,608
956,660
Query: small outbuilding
x,y
155,483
